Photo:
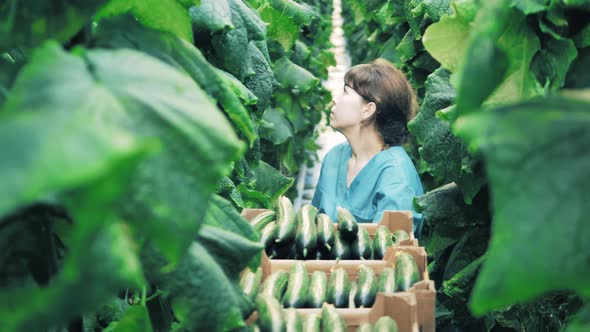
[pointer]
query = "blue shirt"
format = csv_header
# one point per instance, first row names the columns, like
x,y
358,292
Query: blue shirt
x,y
389,181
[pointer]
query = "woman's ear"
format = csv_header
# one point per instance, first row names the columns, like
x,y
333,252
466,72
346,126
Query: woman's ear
x,y
369,110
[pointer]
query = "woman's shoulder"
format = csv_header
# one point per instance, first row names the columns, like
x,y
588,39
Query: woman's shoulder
x,y
338,151
397,156
398,166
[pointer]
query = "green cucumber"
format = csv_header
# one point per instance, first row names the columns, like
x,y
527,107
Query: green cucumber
x,y
306,238
312,323
387,281
352,294
406,272
286,222
326,233
347,225
293,321
270,314
228,248
381,241
367,327
250,282
268,236
262,219
385,324
367,287
399,236
341,249
275,285
318,289
362,246
331,321
338,288
298,287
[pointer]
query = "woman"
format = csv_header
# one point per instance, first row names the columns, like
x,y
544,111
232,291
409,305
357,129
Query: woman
x,y
371,173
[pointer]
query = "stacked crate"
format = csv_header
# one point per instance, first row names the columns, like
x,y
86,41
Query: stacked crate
x,y
413,309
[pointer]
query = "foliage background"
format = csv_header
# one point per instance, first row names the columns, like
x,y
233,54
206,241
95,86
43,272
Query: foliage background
x,y
132,131
502,91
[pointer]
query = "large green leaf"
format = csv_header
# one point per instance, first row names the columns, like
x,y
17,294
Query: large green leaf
x,y
471,245
231,48
251,20
136,318
263,80
268,185
438,144
51,140
227,188
231,251
285,18
301,53
520,43
231,52
212,15
293,110
62,150
486,61
537,163
444,206
223,215
194,285
293,77
499,54
496,47
124,32
439,240
447,40
160,101
148,98
278,129
164,15
30,23
239,89
461,283
552,62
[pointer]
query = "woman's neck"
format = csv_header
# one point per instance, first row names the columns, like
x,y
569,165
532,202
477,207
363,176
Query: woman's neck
x,y
365,142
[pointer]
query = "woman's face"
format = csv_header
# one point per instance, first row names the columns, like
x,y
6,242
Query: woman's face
x,y
347,109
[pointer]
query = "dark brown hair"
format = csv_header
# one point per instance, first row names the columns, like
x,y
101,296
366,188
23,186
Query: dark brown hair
x,y
382,83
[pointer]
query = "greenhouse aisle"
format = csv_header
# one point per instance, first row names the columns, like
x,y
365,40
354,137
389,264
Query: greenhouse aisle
x,y
328,138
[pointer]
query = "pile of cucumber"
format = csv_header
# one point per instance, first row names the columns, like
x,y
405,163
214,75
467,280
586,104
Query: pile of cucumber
x,y
309,235
297,289
273,318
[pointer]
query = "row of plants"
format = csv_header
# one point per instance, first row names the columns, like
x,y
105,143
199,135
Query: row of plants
x,y
132,133
500,146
